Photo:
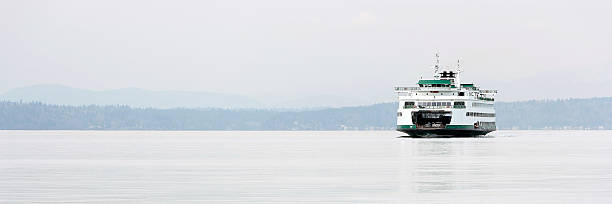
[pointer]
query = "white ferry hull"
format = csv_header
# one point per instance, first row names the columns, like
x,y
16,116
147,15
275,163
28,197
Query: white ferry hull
x,y
449,121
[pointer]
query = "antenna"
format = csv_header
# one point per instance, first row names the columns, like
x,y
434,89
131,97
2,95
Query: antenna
x,y
458,66
457,79
437,66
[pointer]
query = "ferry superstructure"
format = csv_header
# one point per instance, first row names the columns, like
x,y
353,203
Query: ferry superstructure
x,y
443,106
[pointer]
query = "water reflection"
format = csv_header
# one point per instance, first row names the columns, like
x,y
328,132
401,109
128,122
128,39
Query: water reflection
x,y
303,167
441,165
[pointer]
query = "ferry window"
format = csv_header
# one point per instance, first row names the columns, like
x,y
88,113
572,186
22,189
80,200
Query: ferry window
x,y
476,114
461,93
428,103
408,104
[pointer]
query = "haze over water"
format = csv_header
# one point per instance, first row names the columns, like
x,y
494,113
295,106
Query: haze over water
x,y
304,167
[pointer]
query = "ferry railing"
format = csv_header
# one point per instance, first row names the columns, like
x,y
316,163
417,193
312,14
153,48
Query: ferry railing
x,y
435,88
488,91
427,107
401,88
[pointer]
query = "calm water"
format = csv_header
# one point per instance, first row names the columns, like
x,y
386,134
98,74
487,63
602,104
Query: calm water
x,y
304,167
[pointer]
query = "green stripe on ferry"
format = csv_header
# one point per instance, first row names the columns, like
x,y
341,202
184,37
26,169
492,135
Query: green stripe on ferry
x,y
441,81
406,127
459,127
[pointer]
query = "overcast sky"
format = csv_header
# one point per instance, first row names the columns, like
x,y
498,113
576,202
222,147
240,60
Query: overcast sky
x,y
279,48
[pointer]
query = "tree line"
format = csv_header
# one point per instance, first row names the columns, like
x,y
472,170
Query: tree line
x,y
591,113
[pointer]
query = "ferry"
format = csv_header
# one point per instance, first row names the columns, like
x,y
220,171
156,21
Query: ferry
x,y
442,106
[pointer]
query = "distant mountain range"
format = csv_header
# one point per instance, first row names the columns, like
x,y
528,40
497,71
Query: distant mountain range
x,y
591,113
134,97
64,95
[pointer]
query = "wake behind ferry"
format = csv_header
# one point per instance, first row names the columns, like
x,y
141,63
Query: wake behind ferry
x,y
445,107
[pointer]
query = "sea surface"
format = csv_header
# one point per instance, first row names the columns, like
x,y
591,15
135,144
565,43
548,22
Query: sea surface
x,y
304,167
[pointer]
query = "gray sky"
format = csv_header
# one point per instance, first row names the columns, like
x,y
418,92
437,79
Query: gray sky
x,y
280,48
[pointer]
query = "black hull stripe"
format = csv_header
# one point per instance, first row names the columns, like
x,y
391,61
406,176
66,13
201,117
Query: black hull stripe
x,y
444,132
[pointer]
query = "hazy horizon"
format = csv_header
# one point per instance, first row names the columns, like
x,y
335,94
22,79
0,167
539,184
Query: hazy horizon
x,y
58,94
277,49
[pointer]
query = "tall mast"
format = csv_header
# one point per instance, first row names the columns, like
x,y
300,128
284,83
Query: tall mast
x,y
457,79
459,66
437,66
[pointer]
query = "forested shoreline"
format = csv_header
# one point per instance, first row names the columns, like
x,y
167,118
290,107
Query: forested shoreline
x,y
594,113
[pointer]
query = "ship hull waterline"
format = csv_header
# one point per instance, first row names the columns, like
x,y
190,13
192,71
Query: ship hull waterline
x,y
442,132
